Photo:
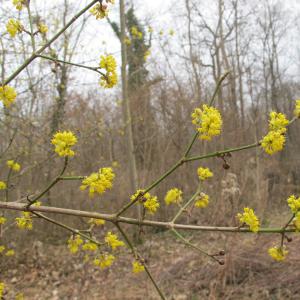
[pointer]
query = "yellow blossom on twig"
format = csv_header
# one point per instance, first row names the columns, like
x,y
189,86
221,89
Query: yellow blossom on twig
x,y
63,141
7,95
137,267
202,200
278,253
113,241
208,121
249,218
98,182
204,173
173,196
104,260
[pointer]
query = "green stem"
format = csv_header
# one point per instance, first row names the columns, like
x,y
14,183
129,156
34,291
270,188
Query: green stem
x,y
186,205
95,69
31,28
185,241
154,184
71,177
219,153
40,50
136,255
54,182
74,231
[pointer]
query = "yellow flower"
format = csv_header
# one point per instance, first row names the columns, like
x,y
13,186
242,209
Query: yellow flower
x,y
104,260
10,252
24,222
13,165
7,95
171,32
173,196
296,221
43,29
90,246
63,141
294,203
19,296
2,185
249,218
278,253
134,31
204,173
73,243
273,142
127,41
150,202
96,222
99,11
2,220
19,4
278,122
2,248
208,121
297,109
2,287
137,267
147,54
13,27
112,240
109,64
202,200
99,182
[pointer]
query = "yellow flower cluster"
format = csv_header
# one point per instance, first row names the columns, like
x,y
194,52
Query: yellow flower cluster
x,y
147,54
74,242
297,109
104,260
278,122
294,203
278,253
63,141
113,241
43,29
96,222
89,246
249,218
208,121
98,182
109,64
137,267
2,220
19,4
275,139
13,165
202,200
13,27
2,287
24,222
204,173
2,185
149,202
8,253
296,221
100,11
136,33
173,196
7,95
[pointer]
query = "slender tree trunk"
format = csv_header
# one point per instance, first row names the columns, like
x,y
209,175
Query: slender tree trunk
x,y
126,103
